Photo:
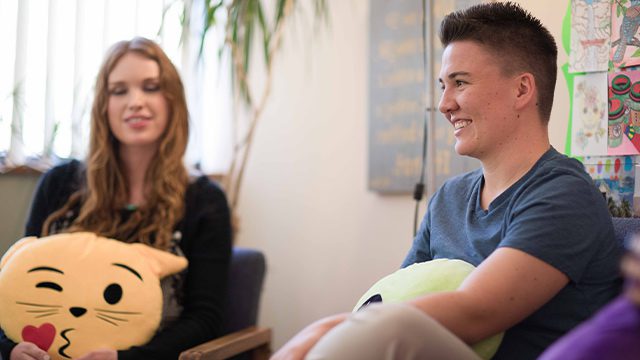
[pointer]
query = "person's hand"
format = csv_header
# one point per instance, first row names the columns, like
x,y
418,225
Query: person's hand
x,y
28,351
104,354
299,345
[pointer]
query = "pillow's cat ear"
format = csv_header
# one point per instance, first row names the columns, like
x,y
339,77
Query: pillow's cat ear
x,y
162,263
15,247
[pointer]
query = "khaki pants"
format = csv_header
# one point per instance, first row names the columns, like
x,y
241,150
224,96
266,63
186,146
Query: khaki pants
x,y
390,332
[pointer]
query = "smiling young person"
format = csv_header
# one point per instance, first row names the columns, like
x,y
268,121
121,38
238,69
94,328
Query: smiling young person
x,y
530,219
134,187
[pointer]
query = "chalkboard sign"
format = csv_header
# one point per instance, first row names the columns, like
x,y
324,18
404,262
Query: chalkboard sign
x,y
398,97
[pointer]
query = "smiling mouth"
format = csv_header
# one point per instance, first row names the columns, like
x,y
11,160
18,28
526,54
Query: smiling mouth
x,y
459,124
135,120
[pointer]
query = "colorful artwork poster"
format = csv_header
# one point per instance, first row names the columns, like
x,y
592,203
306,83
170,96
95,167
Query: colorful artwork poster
x,y
624,113
589,125
625,43
616,177
590,35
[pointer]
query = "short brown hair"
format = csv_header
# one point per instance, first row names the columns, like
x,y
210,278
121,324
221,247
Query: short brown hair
x,y
519,41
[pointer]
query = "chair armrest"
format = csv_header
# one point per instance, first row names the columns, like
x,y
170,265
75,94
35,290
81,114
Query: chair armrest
x,y
253,337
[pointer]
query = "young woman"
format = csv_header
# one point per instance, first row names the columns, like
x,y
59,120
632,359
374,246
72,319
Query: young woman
x,y
134,187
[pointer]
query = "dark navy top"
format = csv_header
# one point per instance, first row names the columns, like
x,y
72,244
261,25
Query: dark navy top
x,y
555,213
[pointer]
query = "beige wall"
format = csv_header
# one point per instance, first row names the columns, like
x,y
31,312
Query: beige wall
x,y
304,200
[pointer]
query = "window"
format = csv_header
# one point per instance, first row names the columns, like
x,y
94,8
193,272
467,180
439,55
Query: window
x,y
48,73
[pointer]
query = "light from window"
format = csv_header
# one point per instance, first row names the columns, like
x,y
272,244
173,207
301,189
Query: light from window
x,y
55,49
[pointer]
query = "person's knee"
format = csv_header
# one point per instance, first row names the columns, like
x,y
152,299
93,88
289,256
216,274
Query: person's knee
x,y
366,334
390,321
390,331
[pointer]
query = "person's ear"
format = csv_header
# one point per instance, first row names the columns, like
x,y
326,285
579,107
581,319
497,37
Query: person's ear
x,y
525,90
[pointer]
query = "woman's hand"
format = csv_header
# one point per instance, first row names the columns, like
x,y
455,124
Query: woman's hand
x,y
104,354
28,351
298,347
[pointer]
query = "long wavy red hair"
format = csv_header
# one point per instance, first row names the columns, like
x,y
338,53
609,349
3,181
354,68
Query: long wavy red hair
x,y
105,192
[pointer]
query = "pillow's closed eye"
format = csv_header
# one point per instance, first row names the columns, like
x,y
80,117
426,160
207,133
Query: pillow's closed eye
x,y
49,285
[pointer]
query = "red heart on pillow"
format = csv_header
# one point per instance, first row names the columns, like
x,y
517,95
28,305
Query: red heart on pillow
x,y
42,336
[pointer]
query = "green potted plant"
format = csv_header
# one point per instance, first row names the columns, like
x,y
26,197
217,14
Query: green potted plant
x,y
247,24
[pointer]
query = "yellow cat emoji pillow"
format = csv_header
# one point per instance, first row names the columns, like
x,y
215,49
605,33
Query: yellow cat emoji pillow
x,y
73,293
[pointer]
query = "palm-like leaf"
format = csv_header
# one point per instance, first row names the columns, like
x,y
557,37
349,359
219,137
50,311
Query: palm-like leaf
x,y
246,23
